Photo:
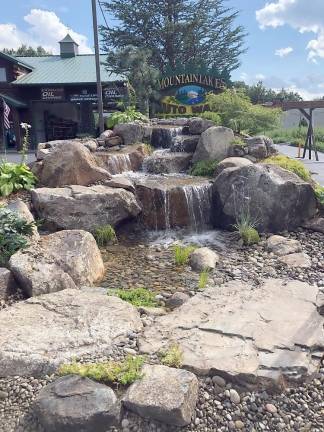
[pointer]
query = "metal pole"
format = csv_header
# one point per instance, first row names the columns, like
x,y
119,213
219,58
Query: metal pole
x,y
99,86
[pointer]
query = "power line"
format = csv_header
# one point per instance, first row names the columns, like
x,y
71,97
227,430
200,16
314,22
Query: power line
x,y
102,12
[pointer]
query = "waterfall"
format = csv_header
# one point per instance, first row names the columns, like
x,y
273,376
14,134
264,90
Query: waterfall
x,y
199,202
119,163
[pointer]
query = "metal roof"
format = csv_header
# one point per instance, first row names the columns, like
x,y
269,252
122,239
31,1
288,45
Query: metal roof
x,y
68,39
55,69
15,60
13,102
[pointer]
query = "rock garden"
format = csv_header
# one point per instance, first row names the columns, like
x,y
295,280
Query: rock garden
x,y
166,276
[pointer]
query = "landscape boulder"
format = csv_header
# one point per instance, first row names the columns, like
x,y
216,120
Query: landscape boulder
x,y
22,210
176,300
164,394
185,143
203,259
316,224
283,246
296,260
197,125
72,403
260,147
8,284
231,162
127,158
81,207
39,334
214,144
168,163
66,259
70,164
44,149
134,132
276,199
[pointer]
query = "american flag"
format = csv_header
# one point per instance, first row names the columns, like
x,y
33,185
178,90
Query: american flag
x,y
6,112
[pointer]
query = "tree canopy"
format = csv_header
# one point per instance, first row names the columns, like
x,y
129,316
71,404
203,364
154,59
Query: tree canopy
x,y
260,94
178,33
27,51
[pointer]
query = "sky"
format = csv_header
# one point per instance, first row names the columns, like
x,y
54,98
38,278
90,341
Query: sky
x,y
285,37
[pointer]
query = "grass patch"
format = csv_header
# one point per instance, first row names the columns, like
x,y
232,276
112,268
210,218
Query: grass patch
x,y
105,235
204,168
296,136
238,142
203,279
137,297
124,372
181,254
247,230
172,357
291,165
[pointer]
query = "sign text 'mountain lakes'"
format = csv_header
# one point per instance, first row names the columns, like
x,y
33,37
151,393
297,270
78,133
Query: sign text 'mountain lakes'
x,y
181,79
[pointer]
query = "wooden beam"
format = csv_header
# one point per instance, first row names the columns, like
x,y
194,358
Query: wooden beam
x,y
286,106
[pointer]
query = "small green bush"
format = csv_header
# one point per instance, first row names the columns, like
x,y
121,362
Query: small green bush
x,y
213,116
238,142
291,165
105,235
172,357
124,372
319,192
14,177
249,236
13,234
128,115
137,296
204,168
203,279
181,254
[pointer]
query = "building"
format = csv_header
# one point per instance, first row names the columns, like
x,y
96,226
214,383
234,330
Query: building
x,y
55,94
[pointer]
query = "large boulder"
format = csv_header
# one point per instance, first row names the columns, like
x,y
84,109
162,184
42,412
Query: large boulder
x,y
231,162
283,246
203,259
73,403
167,163
134,132
68,164
8,284
80,207
276,199
128,158
67,259
251,334
44,149
197,125
214,144
22,210
316,224
164,394
41,333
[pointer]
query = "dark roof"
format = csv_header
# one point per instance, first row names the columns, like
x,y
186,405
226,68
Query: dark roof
x,y
55,69
15,60
68,39
13,102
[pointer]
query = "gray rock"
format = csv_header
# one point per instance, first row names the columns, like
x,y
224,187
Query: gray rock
x,y
214,144
168,163
66,259
185,143
234,396
296,260
316,224
257,147
253,335
165,136
199,125
80,207
131,133
276,199
73,403
164,394
176,300
23,211
120,181
127,158
283,246
39,334
231,162
203,259
8,284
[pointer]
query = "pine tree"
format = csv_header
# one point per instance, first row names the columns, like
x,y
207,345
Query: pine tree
x,y
27,51
181,34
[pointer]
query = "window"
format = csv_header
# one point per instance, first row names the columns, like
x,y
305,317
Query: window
x,y
3,75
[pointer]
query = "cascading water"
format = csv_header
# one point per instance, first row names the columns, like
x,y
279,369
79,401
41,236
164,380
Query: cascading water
x,y
199,201
119,163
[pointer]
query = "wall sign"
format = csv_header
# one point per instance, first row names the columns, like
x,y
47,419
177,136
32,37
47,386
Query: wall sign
x,y
84,96
112,93
185,94
52,94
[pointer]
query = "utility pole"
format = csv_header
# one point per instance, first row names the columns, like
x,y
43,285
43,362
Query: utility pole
x,y
99,86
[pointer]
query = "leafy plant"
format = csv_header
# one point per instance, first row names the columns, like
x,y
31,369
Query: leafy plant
x,y
238,142
112,372
209,115
291,165
137,296
14,177
105,235
182,253
172,357
203,279
204,168
319,192
13,233
128,115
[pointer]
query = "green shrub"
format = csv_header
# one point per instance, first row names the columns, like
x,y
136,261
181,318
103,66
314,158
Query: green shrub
x,y
105,235
124,372
136,296
250,236
238,142
296,136
14,177
319,192
204,168
13,233
203,279
182,253
209,115
129,115
172,357
291,165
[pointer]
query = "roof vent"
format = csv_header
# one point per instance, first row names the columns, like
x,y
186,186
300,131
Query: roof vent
x,y
68,47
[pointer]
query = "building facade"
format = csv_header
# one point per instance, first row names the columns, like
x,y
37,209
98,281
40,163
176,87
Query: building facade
x,y
56,95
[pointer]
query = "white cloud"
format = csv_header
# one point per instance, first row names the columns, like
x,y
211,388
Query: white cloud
x,y
302,15
45,28
260,77
284,52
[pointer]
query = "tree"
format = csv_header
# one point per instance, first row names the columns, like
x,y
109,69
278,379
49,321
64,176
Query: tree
x,y
179,33
27,51
259,94
134,64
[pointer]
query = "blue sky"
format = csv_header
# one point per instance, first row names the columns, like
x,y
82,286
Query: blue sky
x,y
285,42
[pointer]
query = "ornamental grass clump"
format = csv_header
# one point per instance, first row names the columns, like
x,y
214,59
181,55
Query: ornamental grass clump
x,y
291,165
203,279
172,357
181,254
112,372
204,168
137,296
105,235
319,192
